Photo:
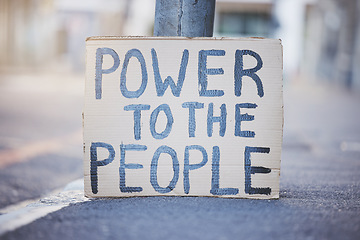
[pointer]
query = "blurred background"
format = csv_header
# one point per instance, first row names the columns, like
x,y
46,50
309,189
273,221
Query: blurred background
x,y
42,64
320,37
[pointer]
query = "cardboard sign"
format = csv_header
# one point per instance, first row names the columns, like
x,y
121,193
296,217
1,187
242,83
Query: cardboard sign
x,y
183,117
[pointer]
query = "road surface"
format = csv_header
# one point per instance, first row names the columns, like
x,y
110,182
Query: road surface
x,y
319,189
40,134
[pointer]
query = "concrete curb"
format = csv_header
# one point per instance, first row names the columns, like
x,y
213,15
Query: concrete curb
x,y
72,193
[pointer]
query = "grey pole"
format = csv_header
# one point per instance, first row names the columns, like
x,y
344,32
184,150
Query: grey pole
x,y
188,18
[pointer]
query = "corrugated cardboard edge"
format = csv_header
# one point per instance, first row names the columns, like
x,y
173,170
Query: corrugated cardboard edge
x,y
95,38
274,41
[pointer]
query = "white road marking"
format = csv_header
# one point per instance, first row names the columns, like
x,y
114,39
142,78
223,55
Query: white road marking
x,y
73,193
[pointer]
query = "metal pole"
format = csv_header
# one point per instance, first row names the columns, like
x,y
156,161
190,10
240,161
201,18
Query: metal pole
x,y
188,18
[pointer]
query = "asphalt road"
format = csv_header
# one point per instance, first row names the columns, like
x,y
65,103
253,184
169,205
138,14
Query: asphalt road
x,y
40,134
319,199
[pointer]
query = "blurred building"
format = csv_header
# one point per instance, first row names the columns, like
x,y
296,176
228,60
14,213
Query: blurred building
x,y
241,18
332,42
43,34
27,32
320,38
77,20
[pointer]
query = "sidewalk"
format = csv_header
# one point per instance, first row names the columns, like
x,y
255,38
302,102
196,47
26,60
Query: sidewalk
x,y
319,189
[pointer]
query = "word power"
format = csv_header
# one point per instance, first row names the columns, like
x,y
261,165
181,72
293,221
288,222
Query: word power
x,y
183,117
